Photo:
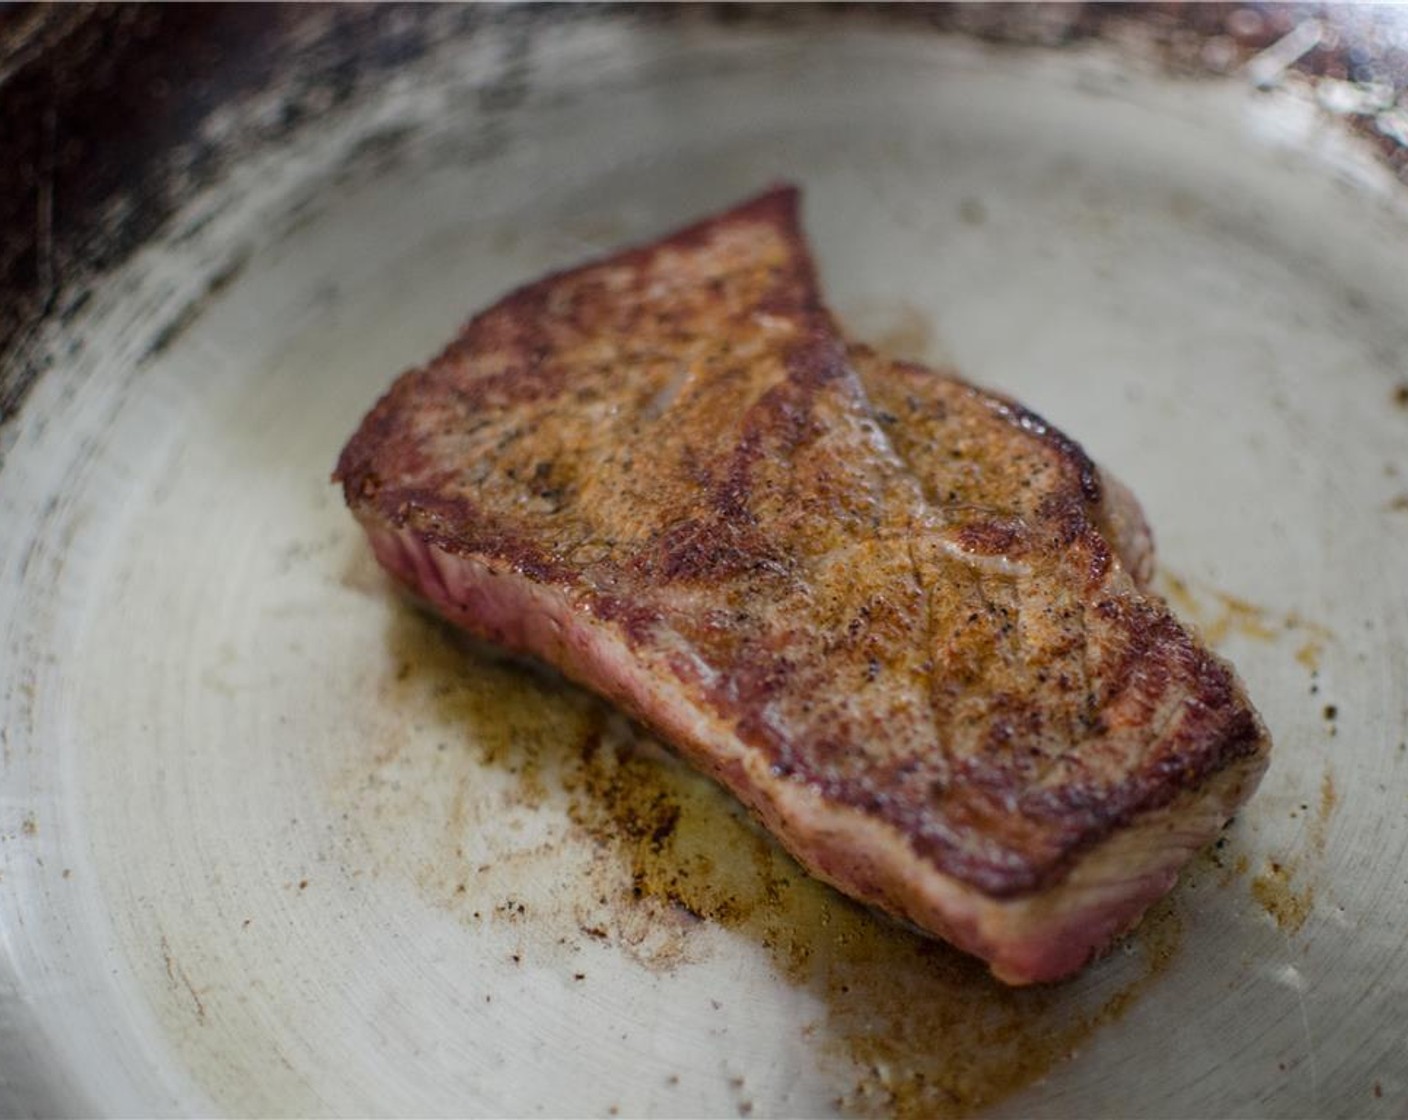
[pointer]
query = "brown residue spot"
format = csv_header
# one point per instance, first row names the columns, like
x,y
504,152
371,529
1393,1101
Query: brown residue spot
x,y
1320,827
646,858
1308,654
1218,616
303,884
1400,394
1399,503
1286,888
29,826
176,976
1217,861
1288,905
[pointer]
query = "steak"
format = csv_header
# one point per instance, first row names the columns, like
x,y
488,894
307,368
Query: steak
x,y
899,617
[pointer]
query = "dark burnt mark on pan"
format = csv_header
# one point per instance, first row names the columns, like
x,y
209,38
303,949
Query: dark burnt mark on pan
x,y
187,315
104,113
509,89
107,126
374,155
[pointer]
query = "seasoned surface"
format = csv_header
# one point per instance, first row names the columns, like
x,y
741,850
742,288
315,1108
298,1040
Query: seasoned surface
x,y
814,570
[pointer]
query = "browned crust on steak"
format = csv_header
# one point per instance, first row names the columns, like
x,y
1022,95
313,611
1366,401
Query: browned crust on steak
x,y
1150,703
875,601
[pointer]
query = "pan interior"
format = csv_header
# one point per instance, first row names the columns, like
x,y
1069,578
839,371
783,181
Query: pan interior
x,y
277,844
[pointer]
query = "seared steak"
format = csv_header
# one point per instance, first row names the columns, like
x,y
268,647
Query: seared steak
x,y
899,617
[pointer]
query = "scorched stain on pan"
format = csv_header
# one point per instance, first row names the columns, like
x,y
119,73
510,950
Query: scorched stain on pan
x,y
558,822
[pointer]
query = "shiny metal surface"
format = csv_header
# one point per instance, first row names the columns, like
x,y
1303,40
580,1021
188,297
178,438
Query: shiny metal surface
x,y
273,844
